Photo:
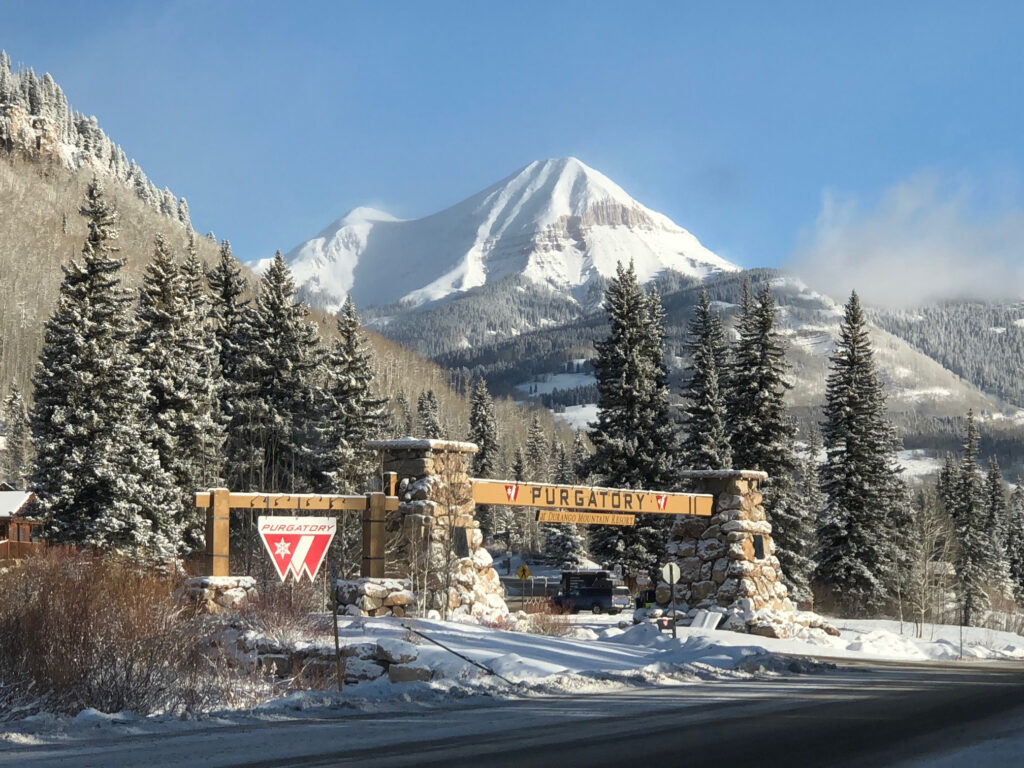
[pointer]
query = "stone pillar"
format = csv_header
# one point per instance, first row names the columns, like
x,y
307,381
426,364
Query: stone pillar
x,y
728,561
436,540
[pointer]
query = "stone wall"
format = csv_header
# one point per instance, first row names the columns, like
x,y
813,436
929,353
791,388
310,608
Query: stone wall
x,y
375,597
436,542
213,594
727,561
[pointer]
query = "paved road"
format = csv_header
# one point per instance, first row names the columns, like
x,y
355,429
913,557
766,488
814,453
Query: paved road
x,y
859,715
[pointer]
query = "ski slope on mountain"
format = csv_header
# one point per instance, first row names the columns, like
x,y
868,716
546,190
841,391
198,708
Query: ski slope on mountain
x,y
557,222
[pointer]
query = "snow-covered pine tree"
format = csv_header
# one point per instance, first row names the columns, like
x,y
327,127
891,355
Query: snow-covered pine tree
x,y
969,518
1015,541
238,394
16,437
171,346
563,542
402,415
946,484
483,431
206,351
763,436
865,501
357,414
285,362
580,458
536,453
997,514
705,444
98,478
799,566
429,413
633,435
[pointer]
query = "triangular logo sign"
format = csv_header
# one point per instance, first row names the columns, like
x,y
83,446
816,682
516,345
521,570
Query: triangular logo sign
x,y
512,491
662,501
297,545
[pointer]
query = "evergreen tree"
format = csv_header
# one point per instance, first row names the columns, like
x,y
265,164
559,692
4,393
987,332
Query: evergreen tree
x,y
287,412
969,518
229,317
1015,541
171,346
580,458
997,521
563,542
537,469
16,436
403,415
705,444
865,499
356,414
96,474
633,434
946,485
483,431
429,413
798,565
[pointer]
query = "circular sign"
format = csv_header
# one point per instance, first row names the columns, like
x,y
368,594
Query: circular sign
x,y
671,573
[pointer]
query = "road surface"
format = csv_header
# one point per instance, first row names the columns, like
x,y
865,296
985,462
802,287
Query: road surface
x,y
857,715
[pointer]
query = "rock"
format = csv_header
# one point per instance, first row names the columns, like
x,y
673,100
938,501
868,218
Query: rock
x,y
703,589
482,559
710,549
763,629
357,669
689,528
686,548
408,673
405,597
689,569
360,650
720,570
395,651
374,590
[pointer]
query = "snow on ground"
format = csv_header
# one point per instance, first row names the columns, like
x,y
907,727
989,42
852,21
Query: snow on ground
x,y
554,381
918,464
578,416
603,654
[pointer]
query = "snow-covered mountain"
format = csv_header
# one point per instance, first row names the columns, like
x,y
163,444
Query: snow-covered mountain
x,y
558,223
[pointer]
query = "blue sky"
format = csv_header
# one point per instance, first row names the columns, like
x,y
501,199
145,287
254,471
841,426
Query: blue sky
x,y
735,119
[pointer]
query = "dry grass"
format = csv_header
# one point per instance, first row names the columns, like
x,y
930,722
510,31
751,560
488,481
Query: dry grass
x,y
82,631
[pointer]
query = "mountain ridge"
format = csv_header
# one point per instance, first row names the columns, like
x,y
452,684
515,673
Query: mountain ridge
x,y
557,222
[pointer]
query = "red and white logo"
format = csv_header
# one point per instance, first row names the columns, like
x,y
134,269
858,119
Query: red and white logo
x,y
297,544
512,491
662,501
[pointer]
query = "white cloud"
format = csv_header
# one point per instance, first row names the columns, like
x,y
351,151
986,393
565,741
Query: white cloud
x,y
925,239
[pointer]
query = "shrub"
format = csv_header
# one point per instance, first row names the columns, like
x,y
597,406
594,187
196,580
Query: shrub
x,y
80,630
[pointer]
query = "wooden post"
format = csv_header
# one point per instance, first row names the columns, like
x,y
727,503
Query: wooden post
x,y
218,521
373,536
391,483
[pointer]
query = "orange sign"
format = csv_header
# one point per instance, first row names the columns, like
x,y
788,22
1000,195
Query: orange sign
x,y
543,496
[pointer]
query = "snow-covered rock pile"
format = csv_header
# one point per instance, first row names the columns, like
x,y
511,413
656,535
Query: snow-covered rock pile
x,y
375,597
213,594
363,659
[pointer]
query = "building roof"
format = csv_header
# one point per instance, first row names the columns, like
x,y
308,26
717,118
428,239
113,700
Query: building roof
x,y
13,503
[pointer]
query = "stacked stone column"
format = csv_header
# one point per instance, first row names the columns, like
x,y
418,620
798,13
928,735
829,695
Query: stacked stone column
x,y
436,540
728,561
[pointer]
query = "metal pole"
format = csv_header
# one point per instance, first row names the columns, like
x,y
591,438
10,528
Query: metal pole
x,y
672,587
337,643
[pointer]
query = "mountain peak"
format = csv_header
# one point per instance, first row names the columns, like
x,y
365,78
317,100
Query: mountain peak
x,y
557,222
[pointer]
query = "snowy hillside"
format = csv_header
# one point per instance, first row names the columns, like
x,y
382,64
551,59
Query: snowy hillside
x,y
558,223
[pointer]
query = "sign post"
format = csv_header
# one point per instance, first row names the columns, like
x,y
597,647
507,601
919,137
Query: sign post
x,y
671,573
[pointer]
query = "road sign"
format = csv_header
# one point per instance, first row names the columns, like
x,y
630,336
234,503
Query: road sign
x,y
584,518
523,572
297,545
587,499
671,573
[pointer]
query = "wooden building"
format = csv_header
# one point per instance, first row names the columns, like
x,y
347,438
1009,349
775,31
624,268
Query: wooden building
x,y
19,533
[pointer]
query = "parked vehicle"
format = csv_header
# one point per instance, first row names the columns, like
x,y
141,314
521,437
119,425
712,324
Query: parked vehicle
x,y
594,591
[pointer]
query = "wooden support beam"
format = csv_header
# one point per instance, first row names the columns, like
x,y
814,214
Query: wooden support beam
x,y
218,523
296,501
374,536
